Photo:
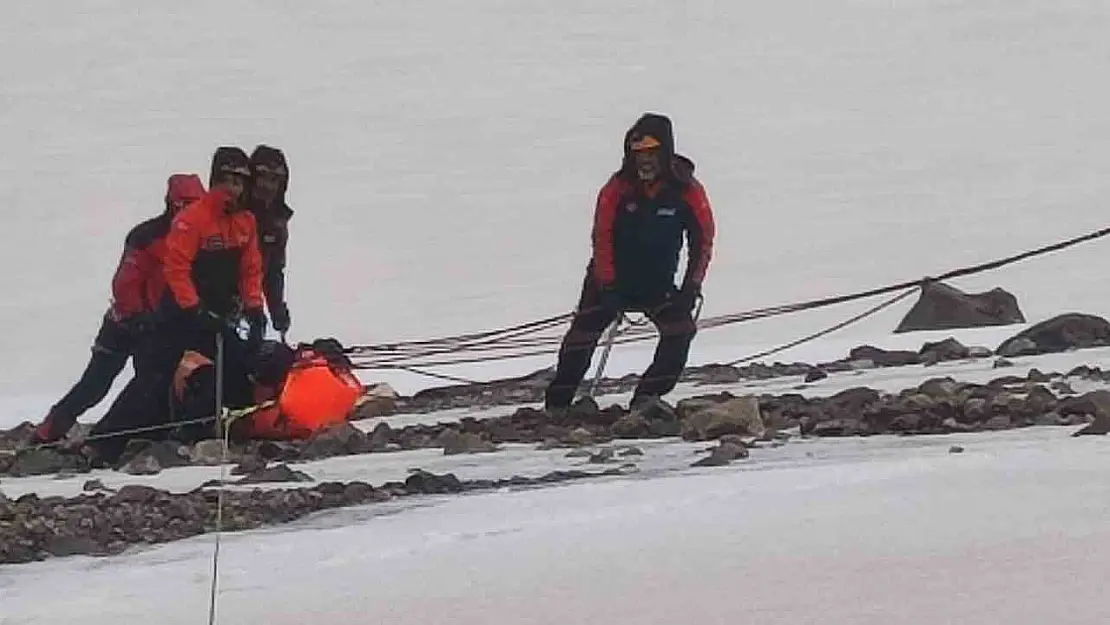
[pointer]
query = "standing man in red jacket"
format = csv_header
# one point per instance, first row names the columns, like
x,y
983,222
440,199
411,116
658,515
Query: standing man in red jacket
x,y
643,212
136,290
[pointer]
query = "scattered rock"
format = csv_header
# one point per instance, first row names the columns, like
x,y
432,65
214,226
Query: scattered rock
x,y
143,464
579,453
249,465
431,484
944,307
1063,388
1002,362
978,351
630,451
338,440
941,351
722,455
276,473
580,437
208,452
704,420
381,437
839,428
815,375
455,442
716,374
1059,334
92,486
379,400
632,425
602,456
1096,404
998,422
42,461
955,449
149,458
883,358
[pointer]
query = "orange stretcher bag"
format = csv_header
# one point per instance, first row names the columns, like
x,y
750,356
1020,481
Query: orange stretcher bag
x,y
317,393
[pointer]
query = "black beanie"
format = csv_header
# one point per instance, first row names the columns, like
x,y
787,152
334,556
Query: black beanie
x,y
228,159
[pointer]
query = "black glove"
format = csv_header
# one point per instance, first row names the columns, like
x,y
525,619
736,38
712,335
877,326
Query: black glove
x,y
207,320
687,297
279,314
139,324
256,319
610,302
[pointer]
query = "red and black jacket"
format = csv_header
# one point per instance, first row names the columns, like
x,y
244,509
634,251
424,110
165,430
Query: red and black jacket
x,y
638,238
139,282
213,259
638,229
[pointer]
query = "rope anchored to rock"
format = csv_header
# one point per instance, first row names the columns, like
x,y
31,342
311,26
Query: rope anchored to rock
x,y
544,336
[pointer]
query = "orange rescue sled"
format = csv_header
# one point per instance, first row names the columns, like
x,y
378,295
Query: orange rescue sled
x,y
317,393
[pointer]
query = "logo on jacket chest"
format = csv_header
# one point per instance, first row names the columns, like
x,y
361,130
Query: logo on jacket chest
x,y
661,211
218,242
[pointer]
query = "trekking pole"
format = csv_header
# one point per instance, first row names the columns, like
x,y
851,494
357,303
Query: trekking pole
x,y
223,468
611,336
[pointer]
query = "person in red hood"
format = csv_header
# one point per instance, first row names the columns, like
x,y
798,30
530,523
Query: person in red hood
x,y
137,288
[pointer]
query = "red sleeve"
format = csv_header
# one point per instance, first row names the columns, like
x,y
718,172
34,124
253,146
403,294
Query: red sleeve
x,y
130,280
702,232
250,266
605,216
182,244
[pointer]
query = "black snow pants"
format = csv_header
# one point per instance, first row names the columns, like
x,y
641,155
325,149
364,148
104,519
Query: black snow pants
x,y
111,349
148,406
676,327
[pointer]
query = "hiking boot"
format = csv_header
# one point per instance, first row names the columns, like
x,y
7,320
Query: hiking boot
x,y
641,402
52,429
557,414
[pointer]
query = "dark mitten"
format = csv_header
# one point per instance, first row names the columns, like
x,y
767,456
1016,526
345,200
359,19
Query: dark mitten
x,y
279,314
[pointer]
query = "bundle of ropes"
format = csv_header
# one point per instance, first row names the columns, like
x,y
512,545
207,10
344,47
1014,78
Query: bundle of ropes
x,y
543,336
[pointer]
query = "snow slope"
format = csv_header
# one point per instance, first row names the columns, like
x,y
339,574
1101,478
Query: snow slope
x,y
873,531
445,155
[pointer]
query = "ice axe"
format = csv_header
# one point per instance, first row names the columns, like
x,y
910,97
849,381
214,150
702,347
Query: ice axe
x,y
610,337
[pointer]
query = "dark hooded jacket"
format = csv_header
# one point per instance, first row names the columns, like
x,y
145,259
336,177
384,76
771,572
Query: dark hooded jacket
x,y
638,233
273,227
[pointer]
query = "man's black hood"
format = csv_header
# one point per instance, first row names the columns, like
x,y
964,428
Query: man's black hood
x,y
660,127
228,159
274,159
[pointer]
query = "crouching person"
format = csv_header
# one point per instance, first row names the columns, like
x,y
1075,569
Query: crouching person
x,y
314,391
285,394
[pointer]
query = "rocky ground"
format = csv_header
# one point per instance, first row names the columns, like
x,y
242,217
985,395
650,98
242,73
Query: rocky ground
x,y
103,522
1058,334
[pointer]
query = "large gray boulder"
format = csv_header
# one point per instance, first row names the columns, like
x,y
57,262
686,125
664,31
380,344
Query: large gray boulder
x,y
944,307
1058,334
